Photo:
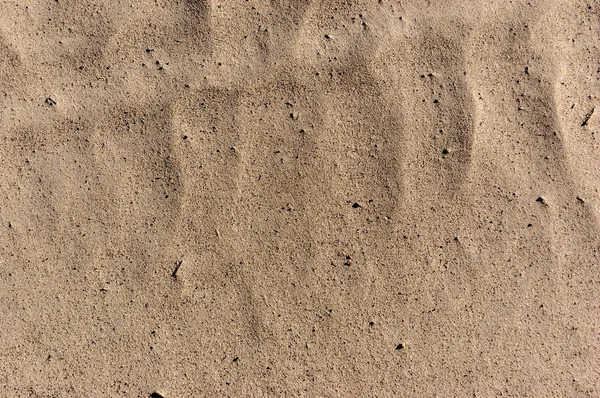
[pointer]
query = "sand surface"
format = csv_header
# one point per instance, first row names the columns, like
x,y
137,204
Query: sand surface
x,y
299,198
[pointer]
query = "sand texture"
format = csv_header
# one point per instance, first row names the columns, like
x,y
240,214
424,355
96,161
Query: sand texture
x,y
299,198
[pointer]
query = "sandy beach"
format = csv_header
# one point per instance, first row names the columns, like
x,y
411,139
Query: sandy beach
x,y
205,198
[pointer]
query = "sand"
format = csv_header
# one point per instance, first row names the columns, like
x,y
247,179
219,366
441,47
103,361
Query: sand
x,y
299,198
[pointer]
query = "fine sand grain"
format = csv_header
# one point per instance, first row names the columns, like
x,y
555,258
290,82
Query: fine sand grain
x,y
205,198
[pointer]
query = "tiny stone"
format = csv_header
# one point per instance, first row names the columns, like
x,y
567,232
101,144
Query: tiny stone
x,y
348,261
400,346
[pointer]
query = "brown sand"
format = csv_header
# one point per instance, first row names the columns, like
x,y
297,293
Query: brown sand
x,y
299,198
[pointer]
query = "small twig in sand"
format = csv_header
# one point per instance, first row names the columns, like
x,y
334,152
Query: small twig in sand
x,y
588,117
177,265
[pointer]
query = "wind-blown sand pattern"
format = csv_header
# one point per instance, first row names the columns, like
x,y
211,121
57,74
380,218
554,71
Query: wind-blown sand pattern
x,y
299,198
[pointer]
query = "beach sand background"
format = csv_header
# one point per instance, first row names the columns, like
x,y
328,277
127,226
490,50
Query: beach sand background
x,y
299,198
